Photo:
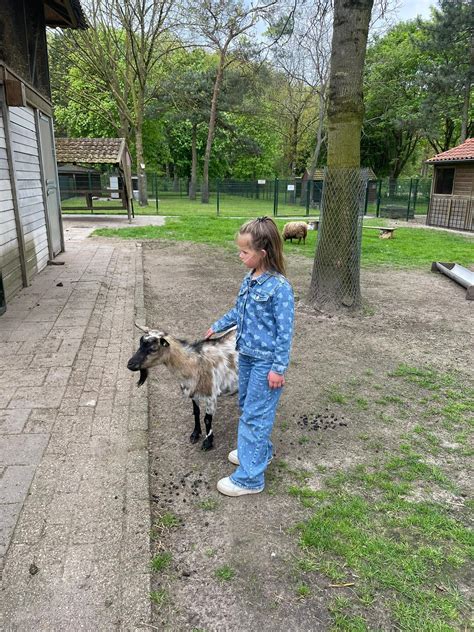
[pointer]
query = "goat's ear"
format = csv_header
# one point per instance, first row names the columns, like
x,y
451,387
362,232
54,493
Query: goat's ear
x,y
164,342
141,328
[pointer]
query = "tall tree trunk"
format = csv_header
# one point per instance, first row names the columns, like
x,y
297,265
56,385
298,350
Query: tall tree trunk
x,y
317,149
335,283
142,188
192,184
212,127
467,92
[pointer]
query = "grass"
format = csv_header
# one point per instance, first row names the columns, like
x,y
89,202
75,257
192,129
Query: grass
x,y
160,561
379,528
411,247
208,504
225,573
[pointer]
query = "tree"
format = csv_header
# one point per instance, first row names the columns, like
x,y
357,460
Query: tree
x,y
393,96
448,72
335,283
118,55
222,25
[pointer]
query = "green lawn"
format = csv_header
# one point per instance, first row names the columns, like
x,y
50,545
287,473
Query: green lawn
x,y
410,247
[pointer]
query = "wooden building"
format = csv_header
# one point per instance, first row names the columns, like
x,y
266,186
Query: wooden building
x,y
452,189
30,219
99,151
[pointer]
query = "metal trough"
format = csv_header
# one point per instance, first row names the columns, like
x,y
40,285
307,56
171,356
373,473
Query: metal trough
x,y
458,273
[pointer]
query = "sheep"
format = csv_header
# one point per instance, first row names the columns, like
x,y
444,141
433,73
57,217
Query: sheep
x,y
295,230
206,369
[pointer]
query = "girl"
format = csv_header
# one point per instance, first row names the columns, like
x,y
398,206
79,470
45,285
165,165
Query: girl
x,y
263,313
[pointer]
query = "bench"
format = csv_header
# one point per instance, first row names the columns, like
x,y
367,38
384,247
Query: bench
x,y
385,232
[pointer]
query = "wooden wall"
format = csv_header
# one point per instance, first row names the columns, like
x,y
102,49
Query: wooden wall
x,y
10,265
464,180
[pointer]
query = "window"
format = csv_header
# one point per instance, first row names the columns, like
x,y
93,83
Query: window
x,y
444,181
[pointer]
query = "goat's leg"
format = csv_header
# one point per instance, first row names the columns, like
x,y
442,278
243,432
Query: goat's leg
x,y
196,433
208,442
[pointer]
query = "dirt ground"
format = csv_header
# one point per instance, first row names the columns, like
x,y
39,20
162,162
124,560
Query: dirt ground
x,y
413,317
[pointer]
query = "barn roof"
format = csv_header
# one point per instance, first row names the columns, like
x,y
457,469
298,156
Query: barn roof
x,y
64,14
90,150
461,153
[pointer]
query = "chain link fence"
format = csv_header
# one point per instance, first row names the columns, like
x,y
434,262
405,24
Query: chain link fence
x,y
336,277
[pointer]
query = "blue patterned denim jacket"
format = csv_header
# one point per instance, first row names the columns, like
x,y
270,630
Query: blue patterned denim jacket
x,y
263,313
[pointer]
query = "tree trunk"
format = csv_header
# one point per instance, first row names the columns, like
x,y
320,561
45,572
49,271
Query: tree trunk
x,y
335,283
212,127
317,149
142,188
192,184
467,92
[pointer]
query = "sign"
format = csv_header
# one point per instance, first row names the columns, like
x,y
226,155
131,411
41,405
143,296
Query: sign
x,y
290,187
261,181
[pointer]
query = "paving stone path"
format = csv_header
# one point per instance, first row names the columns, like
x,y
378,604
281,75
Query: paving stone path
x,y
74,501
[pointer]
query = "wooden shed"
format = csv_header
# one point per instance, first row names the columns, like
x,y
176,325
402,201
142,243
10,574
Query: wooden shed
x,y
452,189
30,219
103,151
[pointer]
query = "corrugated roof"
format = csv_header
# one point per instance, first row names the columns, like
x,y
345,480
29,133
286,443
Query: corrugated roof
x,y
89,150
462,152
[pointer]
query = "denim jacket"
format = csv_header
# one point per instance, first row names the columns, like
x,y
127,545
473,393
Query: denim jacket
x,y
263,313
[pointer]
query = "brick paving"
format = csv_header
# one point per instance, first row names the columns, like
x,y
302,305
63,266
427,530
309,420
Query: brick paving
x,y
74,501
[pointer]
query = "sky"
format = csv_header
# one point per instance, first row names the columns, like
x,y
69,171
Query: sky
x,y
409,9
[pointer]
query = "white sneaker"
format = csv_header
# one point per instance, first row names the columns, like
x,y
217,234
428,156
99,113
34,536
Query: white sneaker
x,y
228,488
234,458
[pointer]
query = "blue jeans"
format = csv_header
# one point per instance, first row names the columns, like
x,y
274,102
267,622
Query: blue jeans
x,y
258,404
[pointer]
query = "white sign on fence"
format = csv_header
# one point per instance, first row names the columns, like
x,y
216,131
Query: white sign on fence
x,y
290,187
261,181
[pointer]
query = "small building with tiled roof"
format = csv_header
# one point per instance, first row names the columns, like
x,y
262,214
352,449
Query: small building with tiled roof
x,y
99,151
452,189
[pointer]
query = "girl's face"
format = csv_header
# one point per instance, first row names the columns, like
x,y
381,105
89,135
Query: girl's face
x,y
251,258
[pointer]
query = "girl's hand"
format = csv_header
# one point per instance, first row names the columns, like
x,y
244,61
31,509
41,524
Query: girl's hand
x,y
275,380
209,333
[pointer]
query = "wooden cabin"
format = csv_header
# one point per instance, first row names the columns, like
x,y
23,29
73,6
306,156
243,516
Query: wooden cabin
x,y
30,218
452,189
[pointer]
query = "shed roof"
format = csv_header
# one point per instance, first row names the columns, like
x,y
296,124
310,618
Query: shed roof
x,y
90,150
461,153
64,14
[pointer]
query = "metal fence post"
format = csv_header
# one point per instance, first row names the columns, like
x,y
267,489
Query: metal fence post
x,y
415,195
409,199
156,192
217,196
379,195
308,194
275,198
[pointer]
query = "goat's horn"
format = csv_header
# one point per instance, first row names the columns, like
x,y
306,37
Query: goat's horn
x,y
141,328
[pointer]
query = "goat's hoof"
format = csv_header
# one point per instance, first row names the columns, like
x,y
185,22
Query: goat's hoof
x,y
207,445
194,438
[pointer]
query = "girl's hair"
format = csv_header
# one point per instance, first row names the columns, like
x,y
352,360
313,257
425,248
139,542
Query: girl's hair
x,y
265,236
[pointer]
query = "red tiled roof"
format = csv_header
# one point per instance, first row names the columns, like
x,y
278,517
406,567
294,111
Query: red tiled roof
x,y
465,151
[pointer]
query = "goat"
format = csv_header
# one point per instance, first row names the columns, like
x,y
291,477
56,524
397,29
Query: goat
x,y
206,369
295,230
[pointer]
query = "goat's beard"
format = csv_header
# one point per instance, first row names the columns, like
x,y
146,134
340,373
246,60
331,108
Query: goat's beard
x,y
143,376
